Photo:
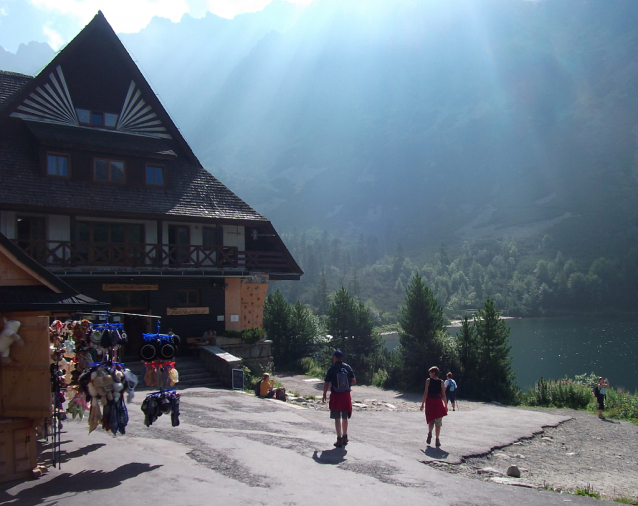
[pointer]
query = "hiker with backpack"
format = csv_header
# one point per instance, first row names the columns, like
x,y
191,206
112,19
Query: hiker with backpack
x,y
339,378
450,390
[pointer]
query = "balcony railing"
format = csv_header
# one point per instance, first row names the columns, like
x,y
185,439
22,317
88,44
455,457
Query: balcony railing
x,y
70,254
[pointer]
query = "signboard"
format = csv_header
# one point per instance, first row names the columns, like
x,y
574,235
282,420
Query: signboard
x,y
128,288
180,311
238,379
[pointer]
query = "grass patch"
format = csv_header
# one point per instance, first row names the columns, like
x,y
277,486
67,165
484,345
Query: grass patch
x,y
588,491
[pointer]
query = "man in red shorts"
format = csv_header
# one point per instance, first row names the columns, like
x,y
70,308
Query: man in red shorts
x,y
339,378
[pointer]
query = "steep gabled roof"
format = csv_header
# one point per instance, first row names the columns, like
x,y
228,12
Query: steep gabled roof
x,y
47,97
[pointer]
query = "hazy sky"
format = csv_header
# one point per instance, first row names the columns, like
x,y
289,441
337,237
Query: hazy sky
x,y
58,21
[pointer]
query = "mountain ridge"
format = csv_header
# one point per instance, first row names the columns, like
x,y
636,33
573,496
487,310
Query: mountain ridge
x,y
414,122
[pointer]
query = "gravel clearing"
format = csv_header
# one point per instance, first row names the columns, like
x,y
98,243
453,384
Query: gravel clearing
x,y
582,453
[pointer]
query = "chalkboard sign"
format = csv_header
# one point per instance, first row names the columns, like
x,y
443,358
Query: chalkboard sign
x,y
238,379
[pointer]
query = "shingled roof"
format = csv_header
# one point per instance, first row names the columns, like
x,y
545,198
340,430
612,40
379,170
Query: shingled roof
x,y
194,192
10,84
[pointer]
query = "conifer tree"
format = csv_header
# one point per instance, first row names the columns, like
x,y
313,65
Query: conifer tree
x,y
496,377
352,330
303,331
277,326
321,295
468,356
421,323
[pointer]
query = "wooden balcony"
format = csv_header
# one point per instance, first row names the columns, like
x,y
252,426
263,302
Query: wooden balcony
x,y
57,255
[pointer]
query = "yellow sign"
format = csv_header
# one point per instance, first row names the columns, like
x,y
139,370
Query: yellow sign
x,y
181,311
128,288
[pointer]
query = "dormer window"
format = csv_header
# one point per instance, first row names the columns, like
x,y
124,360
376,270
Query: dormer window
x,y
109,170
57,164
96,118
155,175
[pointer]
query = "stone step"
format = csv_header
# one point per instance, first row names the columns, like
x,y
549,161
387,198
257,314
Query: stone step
x,y
192,373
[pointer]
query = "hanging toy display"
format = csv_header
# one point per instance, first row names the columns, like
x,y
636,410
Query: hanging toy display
x,y
105,383
88,385
160,374
158,354
161,403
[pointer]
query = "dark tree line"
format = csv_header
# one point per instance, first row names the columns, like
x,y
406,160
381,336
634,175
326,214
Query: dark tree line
x,y
478,356
524,278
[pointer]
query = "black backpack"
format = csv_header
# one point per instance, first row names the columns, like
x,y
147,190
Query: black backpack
x,y
258,388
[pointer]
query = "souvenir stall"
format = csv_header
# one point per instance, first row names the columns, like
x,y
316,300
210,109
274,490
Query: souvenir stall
x,y
29,296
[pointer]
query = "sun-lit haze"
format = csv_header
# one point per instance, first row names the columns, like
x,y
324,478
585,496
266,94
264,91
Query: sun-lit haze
x,y
56,22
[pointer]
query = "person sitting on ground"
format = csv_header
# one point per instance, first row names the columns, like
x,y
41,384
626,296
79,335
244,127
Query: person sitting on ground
x,y
209,336
435,404
266,387
450,390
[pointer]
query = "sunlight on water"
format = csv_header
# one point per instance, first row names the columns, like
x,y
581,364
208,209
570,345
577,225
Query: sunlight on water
x,y
556,347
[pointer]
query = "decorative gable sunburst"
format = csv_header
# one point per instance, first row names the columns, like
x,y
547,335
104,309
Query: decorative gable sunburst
x,y
52,103
137,117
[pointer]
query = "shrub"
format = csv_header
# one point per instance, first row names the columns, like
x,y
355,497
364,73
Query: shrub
x,y
380,378
251,336
311,368
563,393
231,333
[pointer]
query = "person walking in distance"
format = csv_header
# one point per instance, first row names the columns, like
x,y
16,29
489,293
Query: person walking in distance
x,y
450,391
339,378
435,404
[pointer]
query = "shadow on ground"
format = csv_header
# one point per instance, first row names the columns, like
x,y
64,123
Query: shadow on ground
x,y
84,481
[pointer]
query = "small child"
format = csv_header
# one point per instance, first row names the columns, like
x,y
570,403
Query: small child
x,y
450,390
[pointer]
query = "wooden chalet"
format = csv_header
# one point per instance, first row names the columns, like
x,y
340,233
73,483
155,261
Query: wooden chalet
x,y
100,187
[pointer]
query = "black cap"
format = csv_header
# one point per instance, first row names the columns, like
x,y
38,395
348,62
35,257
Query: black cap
x,y
338,354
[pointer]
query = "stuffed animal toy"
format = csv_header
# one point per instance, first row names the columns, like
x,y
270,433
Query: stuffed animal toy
x,y
9,336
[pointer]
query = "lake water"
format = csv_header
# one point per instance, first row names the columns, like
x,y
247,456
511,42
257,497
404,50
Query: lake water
x,y
555,347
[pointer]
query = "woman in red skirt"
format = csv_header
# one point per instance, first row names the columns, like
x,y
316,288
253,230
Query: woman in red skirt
x,y
435,404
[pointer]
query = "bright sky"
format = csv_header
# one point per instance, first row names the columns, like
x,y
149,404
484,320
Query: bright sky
x,y
58,21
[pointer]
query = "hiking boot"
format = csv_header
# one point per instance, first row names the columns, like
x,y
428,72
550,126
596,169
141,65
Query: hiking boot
x,y
429,439
438,442
344,439
339,443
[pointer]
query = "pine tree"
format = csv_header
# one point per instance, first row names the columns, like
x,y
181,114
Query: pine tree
x,y
496,378
468,356
321,295
277,327
340,322
421,323
352,330
354,285
303,332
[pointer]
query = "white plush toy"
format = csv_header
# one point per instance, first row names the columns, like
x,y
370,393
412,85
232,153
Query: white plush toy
x,y
8,336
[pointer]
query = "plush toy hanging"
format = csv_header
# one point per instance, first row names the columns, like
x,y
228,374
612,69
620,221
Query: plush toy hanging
x,y
105,385
9,336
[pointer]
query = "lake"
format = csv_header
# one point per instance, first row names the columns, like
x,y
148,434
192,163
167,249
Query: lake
x,y
555,347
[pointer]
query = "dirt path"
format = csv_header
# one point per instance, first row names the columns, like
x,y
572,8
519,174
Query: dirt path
x,y
583,453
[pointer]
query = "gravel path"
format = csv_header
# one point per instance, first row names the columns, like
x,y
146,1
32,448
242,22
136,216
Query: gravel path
x,y
583,453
